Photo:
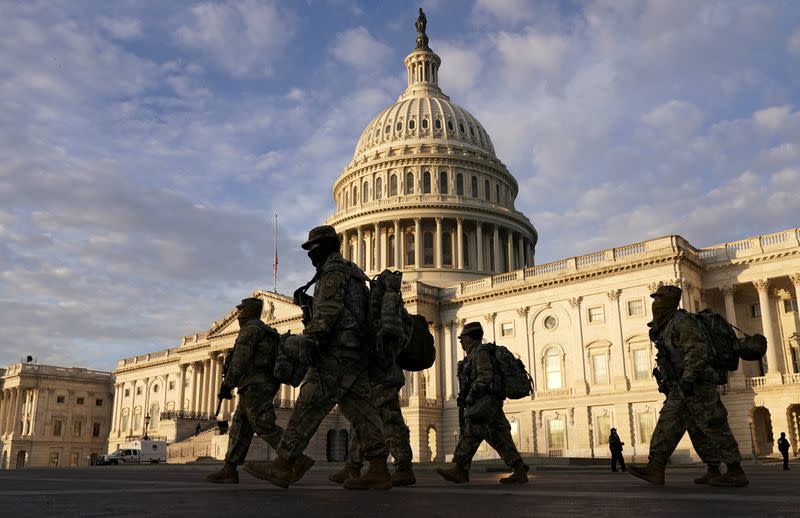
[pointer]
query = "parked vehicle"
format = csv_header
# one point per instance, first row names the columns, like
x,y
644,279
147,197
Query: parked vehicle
x,y
137,452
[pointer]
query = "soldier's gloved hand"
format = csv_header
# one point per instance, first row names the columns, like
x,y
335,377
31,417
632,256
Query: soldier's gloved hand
x,y
225,391
687,387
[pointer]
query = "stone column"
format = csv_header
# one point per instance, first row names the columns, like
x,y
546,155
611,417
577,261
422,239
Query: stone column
x,y
773,342
418,243
510,250
17,410
115,414
444,352
795,278
378,263
181,386
4,412
496,248
521,252
195,385
460,243
617,354
437,247
212,385
398,243
345,246
432,388
479,245
578,379
360,239
206,385
368,239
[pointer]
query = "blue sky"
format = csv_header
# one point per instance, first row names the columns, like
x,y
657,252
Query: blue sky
x,y
145,146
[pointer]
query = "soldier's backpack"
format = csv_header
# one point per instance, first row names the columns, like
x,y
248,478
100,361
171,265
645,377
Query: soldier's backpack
x,y
419,352
726,346
516,383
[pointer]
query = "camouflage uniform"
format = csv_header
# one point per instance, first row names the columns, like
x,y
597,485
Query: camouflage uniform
x,y
250,371
340,376
702,412
475,376
385,385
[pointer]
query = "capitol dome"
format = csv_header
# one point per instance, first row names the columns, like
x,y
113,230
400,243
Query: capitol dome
x,y
425,192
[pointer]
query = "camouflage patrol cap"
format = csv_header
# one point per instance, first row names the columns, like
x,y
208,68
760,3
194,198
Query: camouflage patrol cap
x,y
472,329
668,292
251,303
317,234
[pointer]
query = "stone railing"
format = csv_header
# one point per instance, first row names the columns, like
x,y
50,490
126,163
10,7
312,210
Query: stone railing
x,y
753,246
174,415
395,202
431,403
758,381
283,403
554,393
791,379
144,358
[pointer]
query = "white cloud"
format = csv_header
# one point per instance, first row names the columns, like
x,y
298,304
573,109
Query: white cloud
x,y
793,44
239,37
462,67
771,119
359,49
121,28
507,11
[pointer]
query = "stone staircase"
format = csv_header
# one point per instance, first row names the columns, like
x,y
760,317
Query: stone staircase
x,y
192,448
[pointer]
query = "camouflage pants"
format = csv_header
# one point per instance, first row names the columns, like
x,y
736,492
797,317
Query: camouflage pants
x,y
704,415
255,413
495,431
395,431
342,379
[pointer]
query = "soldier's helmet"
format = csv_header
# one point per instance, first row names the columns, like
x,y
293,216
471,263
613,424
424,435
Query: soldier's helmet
x,y
667,292
250,307
473,329
752,348
317,234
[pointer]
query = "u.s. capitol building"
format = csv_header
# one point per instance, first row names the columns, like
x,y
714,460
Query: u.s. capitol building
x,y
426,194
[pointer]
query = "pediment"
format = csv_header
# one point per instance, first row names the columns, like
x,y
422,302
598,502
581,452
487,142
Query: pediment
x,y
276,307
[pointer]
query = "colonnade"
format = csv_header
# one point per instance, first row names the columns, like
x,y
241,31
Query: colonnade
x,y
438,242
10,410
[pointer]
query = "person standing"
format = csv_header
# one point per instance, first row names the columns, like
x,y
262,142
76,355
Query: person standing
x,y
481,406
689,380
338,334
783,447
615,445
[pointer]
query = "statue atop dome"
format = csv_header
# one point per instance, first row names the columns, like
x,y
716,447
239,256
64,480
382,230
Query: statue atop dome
x,y
422,38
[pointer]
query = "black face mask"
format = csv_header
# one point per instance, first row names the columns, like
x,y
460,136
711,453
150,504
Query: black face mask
x,y
319,253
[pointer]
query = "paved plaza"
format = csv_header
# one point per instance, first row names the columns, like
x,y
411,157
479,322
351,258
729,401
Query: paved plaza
x,y
165,490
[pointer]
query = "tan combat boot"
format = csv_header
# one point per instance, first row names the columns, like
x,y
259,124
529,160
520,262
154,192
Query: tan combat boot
x,y
346,473
713,472
376,477
519,476
456,474
227,475
403,477
734,477
653,472
280,472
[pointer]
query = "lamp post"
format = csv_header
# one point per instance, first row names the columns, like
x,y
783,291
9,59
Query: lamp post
x,y
752,441
146,423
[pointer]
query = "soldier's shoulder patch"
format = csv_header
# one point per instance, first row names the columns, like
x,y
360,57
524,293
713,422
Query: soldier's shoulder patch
x,y
329,282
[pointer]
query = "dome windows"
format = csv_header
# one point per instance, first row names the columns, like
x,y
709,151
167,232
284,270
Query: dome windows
x,y
460,184
472,131
426,182
412,124
388,129
450,125
399,126
437,123
424,123
378,188
487,192
461,127
393,185
365,193
443,182
474,186
409,183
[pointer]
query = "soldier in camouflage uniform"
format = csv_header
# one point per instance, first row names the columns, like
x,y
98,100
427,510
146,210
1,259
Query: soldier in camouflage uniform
x,y
385,384
250,371
689,381
482,407
339,373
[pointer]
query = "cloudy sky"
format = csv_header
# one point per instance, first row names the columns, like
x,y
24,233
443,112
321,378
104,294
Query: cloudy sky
x,y
145,146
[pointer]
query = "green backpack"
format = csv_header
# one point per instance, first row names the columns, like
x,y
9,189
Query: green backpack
x,y
516,383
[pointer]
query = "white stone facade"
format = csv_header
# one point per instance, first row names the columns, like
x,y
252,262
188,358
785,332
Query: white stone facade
x,y
53,416
432,199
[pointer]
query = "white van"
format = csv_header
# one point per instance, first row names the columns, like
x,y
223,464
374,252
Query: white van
x,y
136,452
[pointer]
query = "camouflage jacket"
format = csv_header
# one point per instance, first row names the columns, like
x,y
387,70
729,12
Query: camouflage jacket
x,y
476,373
687,350
253,355
340,305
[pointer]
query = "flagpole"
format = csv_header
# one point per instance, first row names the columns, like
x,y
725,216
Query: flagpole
x,y
275,263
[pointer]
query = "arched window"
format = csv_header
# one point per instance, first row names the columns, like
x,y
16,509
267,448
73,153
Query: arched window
x,y
460,184
447,248
461,127
465,250
474,186
424,124
437,123
497,193
409,183
427,249
365,193
426,182
355,195
155,416
450,125
390,244
487,192
412,124
552,367
393,185
137,418
410,249
398,126
378,188
443,182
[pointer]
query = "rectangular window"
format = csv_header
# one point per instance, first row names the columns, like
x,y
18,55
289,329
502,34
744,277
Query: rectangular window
x,y
53,461
641,364
81,400
553,367
755,310
603,429
789,306
73,458
96,430
60,399
596,314
127,392
635,308
556,436
98,402
138,391
646,425
57,428
600,367
171,385
507,329
77,427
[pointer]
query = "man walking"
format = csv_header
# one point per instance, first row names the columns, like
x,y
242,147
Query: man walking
x,y
615,445
481,406
783,447
689,380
